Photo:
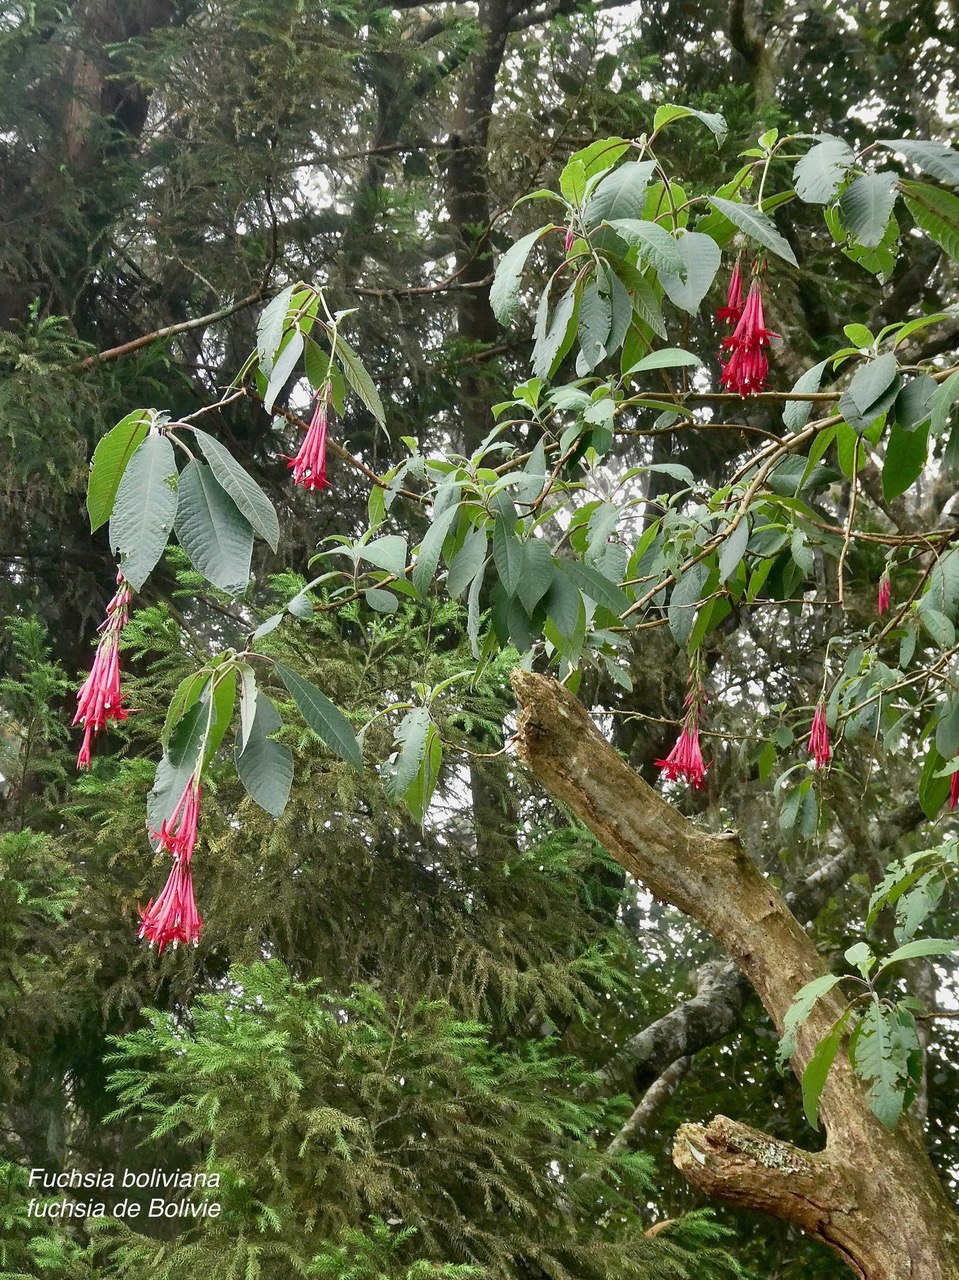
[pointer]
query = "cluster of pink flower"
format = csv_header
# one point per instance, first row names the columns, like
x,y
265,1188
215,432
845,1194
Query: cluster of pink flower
x,y
686,758
173,916
748,367
99,699
309,465
819,747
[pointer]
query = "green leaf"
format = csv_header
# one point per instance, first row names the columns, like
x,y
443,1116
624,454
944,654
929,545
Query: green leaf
x,y
859,335
222,688
420,792
684,602
935,158
572,182
701,258
428,555
943,591
942,403
300,605
861,957
109,461
286,362
818,174
647,306
504,292
947,727
919,947
327,721
905,459
713,121
507,554
187,695
939,627
601,155
621,194
177,766
802,553
592,584
595,320
316,364
866,205
473,613
796,413
564,606
733,550
666,358
242,488
536,573
145,509
936,212
914,402
467,562
797,1013
933,789
269,330
757,225
213,533
553,342
265,767
817,1069
381,601
877,1056
873,388
657,246
355,372
195,690
411,735
249,696
390,553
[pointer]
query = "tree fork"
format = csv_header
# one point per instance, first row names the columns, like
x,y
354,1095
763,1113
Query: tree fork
x,y
872,1195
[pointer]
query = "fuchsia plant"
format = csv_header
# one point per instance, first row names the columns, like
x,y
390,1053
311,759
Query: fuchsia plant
x,y
634,262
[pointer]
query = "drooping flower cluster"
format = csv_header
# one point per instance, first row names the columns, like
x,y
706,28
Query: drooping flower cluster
x,y
309,465
748,367
173,916
686,758
99,699
819,747
884,595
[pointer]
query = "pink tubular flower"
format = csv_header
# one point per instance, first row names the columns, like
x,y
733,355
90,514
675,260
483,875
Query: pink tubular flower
x,y
819,747
885,593
686,758
309,465
178,832
953,791
734,297
100,696
748,367
173,917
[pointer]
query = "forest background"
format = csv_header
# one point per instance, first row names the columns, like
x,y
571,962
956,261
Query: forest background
x,y
462,1045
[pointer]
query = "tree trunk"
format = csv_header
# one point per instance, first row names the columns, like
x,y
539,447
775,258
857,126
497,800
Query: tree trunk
x,y
872,1195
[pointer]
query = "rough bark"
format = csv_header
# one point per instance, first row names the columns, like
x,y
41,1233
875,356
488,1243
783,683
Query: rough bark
x,y
841,1195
